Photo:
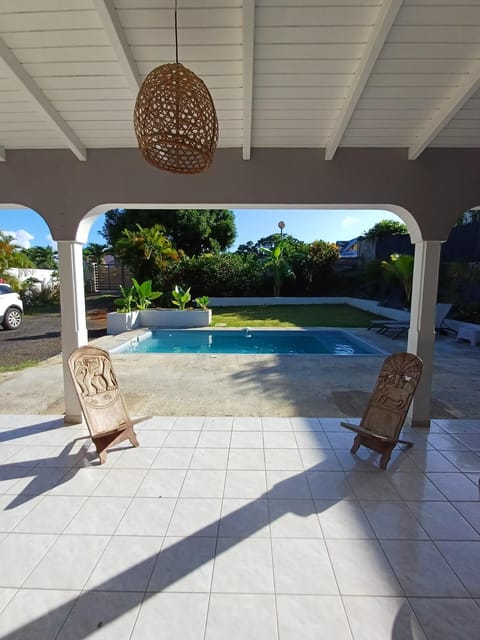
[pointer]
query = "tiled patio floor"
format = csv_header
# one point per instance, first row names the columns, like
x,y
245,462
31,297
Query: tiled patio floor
x,y
238,528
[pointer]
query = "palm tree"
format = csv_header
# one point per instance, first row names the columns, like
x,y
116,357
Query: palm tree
x,y
11,255
400,268
278,265
42,257
94,252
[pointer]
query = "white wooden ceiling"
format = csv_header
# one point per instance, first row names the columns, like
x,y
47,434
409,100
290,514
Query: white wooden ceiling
x,y
282,73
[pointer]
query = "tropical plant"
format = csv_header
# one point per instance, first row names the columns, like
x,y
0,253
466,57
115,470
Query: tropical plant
x,y
42,257
192,231
11,255
147,251
181,297
125,303
400,268
277,264
94,252
202,302
143,294
385,228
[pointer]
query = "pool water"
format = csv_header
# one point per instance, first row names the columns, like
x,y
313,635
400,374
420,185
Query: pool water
x,y
253,341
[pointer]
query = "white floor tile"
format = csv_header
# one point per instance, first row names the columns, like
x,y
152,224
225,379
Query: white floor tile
x,y
171,616
421,569
51,515
161,483
343,519
287,484
36,613
455,486
320,460
245,484
382,618
136,458
120,483
243,565
294,519
126,564
240,616
103,615
470,511
146,517
203,483
98,516
394,520
442,521
246,459
464,558
244,518
173,458
329,485
19,555
285,459
184,565
312,440
312,618
68,563
195,517
375,578
372,486
415,486
279,440
14,509
306,424
445,619
302,566
466,461
247,440
208,458
181,439
214,439
6,595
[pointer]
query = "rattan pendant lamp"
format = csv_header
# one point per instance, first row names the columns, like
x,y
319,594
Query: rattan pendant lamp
x,y
175,120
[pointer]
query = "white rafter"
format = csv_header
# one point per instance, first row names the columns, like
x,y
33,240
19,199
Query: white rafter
x,y
3,154
248,46
464,92
73,142
110,22
388,13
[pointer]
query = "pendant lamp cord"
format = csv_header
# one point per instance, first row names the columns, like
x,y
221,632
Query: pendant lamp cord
x,y
176,34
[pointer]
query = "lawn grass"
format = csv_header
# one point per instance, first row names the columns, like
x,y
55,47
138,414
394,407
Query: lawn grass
x,y
303,315
18,367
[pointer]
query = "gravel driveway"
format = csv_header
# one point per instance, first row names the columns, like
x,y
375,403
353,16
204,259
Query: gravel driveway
x,y
38,338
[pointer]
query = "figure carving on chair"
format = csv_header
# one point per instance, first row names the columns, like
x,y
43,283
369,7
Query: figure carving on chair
x,y
102,403
95,377
388,405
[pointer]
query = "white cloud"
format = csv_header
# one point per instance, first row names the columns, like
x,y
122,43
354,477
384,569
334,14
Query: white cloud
x,y
51,241
349,221
22,238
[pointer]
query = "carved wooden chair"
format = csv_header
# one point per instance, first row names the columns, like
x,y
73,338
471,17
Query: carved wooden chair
x,y
388,405
102,403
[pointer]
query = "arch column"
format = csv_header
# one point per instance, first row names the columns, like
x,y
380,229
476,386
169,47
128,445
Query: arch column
x,y
74,324
421,335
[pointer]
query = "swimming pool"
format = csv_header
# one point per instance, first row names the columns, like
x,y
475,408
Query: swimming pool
x,y
252,341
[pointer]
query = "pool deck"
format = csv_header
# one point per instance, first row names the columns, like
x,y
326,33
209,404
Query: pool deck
x,y
226,385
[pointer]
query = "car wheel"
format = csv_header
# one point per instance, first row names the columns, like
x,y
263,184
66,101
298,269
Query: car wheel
x,y
12,318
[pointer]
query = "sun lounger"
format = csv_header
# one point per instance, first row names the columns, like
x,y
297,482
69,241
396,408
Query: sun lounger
x,y
397,327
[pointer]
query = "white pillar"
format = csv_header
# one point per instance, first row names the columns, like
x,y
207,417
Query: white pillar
x,y
421,336
74,323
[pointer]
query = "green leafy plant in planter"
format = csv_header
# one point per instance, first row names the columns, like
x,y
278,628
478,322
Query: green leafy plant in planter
x,y
125,303
181,297
202,302
143,294
139,296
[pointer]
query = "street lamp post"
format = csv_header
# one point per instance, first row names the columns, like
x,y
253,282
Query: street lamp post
x,y
281,226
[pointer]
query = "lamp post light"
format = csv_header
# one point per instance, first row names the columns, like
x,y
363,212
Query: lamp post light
x,y
281,226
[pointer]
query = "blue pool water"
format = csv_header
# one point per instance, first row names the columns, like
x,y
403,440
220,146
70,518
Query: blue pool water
x,y
253,341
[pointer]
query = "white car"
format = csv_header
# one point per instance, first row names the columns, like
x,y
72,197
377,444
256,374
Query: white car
x,y
11,308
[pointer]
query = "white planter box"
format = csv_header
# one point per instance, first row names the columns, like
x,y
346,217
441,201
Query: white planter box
x,y
121,322
175,319
160,318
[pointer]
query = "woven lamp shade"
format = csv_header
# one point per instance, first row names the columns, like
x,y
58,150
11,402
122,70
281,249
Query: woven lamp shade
x,y
175,120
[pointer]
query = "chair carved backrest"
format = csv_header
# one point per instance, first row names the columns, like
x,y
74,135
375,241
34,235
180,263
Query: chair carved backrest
x,y
393,393
96,385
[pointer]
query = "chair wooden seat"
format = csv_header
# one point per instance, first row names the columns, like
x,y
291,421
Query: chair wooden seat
x,y
388,405
102,403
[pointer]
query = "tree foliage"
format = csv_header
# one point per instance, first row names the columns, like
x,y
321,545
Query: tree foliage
x,y
42,257
400,267
385,228
11,255
193,231
94,252
146,251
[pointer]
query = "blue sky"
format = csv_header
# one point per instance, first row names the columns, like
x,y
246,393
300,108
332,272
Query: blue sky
x,y
30,230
